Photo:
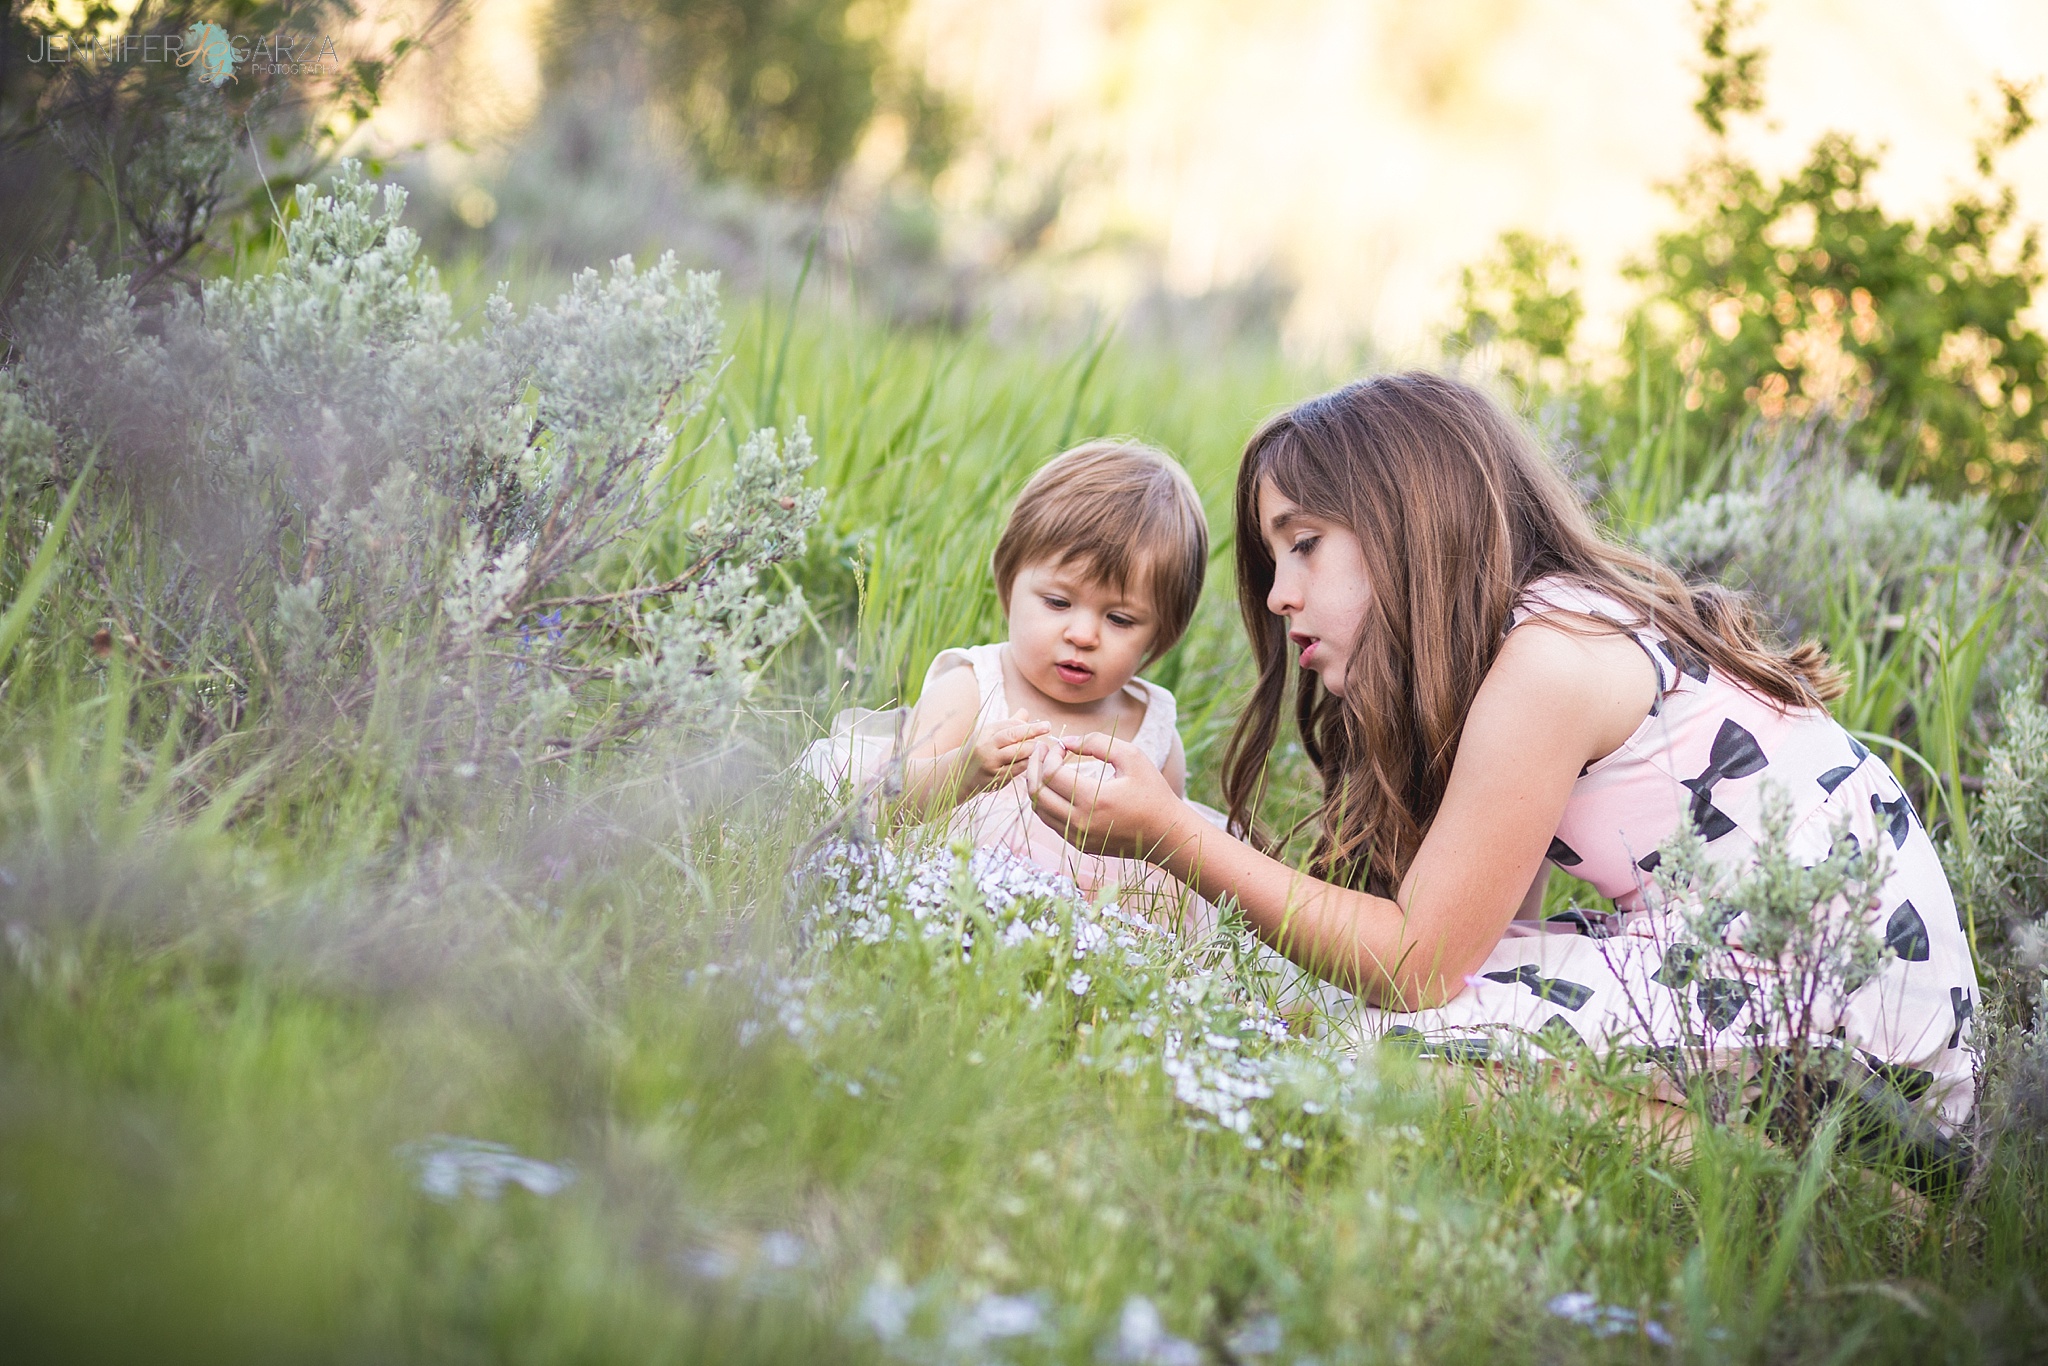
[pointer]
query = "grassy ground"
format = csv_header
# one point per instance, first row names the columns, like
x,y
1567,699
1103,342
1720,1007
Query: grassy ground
x,y
231,1030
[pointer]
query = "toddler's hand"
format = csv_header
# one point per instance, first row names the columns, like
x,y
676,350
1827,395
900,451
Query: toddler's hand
x,y
998,754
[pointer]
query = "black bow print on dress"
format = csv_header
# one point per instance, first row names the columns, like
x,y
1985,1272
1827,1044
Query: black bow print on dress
x,y
1834,778
1965,1008
1678,967
1562,854
1722,999
1895,817
1906,934
1558,1035
1592,924
1735,754
1684,660
1556,990
1910,1082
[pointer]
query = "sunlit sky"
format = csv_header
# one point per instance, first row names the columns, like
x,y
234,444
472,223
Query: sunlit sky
x,y
1369,148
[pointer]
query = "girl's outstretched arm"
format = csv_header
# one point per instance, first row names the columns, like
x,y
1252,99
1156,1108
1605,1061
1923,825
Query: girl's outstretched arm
x,y
1552,703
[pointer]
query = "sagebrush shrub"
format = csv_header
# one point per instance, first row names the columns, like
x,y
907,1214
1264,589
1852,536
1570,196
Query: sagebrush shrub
x,y
1805,524
1772,949
2003,870
312,488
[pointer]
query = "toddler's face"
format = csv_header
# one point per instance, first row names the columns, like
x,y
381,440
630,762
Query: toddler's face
x,y
1074,639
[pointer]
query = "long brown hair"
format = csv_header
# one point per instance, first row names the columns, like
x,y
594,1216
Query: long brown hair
x,y
1458,511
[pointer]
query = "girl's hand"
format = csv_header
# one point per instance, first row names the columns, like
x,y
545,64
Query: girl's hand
x,y
1120,805
998,754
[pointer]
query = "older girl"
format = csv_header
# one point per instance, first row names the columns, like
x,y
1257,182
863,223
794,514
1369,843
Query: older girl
x,y
1489,690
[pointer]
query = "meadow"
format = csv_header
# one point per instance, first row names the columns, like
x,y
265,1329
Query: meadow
x,y
315,1046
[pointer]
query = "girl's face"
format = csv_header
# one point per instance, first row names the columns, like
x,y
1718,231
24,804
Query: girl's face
x,y
1074,639
1319,584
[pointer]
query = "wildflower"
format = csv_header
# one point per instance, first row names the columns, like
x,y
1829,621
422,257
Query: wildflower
x,y
1605,1320
1259,1337
781,1250
451,1167
886,1305
1142,1339
996,1316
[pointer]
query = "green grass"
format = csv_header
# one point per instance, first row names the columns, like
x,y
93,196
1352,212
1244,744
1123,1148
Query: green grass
x,y
225,1008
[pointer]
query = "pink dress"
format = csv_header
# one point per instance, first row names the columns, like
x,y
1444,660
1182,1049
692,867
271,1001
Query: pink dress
x,y
863,746
1707,755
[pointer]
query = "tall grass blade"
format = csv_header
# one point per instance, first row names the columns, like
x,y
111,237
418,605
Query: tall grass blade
x,y
40,569
1791,1234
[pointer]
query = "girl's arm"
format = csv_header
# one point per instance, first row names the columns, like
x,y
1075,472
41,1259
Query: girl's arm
x,y
1552,703
951,752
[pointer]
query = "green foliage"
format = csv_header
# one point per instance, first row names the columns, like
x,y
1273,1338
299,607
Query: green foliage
x,y
242,981
419,545
777,92
1915,598
1786,939
2003,871
797,1136
1516,299
1731,77
1803,297
113,142
1784,300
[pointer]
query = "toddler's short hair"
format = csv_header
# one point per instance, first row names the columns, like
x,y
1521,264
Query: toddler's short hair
x,y
1119,509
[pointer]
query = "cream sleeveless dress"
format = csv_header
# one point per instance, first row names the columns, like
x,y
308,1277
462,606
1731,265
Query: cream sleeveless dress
x,y
863,745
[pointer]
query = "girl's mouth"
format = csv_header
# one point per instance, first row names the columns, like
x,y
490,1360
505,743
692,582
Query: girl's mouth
x,y
1070,672
1307,645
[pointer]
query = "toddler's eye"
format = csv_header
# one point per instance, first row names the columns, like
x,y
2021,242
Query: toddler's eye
x,y
1119,619
1057,604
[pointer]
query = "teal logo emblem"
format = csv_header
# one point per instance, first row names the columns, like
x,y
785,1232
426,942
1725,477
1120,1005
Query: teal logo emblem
x,y
208,45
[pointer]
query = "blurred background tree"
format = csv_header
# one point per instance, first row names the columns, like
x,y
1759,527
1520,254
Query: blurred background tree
x,y
1520,300
777,93
110,144
1801,296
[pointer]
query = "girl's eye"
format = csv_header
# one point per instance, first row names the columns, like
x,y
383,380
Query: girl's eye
x,y
1305,545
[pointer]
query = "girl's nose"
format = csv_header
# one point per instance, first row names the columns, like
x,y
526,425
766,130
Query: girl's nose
x,y
1283,599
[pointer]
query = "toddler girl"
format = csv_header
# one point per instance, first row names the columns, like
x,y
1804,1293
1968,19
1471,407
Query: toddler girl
x,y
1098,570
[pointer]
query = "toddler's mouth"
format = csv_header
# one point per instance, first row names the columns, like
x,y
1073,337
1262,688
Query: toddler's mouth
x,y
1070,672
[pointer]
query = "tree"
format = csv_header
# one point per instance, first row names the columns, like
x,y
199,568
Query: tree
x,y
1787,298
120,137
776,92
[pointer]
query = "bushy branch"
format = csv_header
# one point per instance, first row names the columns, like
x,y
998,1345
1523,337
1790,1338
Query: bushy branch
x,y
2003,870
338,492
1765,958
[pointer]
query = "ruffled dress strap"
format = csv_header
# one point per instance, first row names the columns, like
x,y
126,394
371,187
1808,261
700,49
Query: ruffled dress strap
x,y
861,744
1156,732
